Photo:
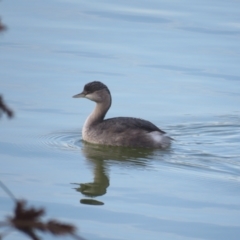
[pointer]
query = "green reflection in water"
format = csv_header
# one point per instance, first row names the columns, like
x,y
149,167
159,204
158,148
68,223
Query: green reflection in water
x,y
100,157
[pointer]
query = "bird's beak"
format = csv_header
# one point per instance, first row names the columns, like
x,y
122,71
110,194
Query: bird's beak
x,y
80,95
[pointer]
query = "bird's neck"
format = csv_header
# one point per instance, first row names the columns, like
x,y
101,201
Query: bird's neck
x,y
98,113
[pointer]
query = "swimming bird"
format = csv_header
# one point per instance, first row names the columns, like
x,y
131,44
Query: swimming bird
x,y
119,131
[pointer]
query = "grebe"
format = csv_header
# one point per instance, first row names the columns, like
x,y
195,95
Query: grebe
x,y
119,131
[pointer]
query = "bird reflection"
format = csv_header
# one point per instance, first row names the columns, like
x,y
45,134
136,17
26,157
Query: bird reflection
x,y
99,185
100,158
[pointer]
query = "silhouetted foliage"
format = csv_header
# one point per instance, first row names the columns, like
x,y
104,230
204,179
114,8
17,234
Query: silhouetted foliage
x,y
28,221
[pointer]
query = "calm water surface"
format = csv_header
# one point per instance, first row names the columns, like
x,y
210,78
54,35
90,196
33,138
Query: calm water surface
x,y
175,64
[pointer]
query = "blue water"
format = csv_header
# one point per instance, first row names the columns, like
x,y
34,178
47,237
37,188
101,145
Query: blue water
x,y
175,64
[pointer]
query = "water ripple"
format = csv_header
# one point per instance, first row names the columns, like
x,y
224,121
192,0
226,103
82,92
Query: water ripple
x,y
212,146
202,146
63,140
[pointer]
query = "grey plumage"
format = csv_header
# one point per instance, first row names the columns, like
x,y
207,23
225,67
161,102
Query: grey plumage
x,y
119,131
120,124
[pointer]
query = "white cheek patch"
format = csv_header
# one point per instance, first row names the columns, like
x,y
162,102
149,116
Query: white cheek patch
x,y
90,96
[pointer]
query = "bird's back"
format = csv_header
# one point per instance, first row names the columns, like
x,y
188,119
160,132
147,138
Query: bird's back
x,y
127,131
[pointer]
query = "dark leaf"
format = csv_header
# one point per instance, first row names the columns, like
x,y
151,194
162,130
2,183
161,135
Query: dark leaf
x,y
2,28
58,228
3,106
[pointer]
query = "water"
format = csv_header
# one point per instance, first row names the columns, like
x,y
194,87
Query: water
x,y
175,64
